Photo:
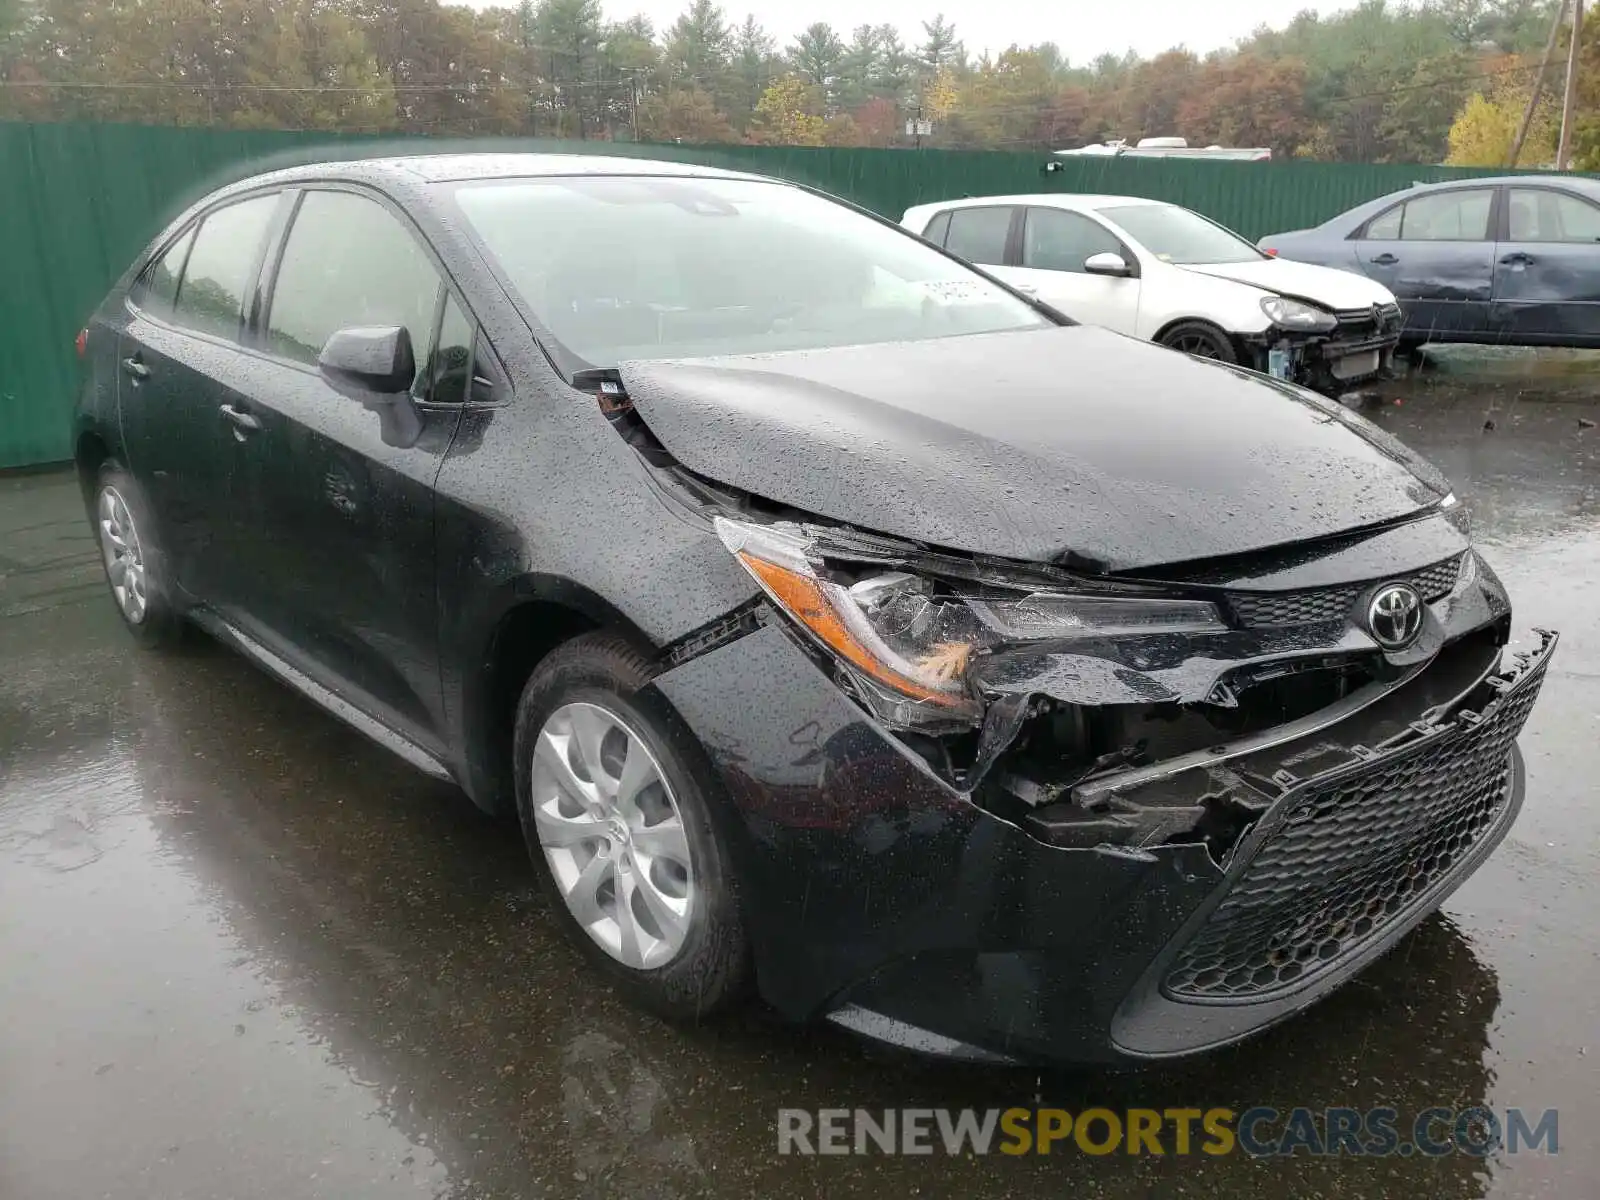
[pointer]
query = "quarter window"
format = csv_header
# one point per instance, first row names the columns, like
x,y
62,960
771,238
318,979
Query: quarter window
x,y
979,234
222,266
449,368
938,229
349,262
158,286
1056,240
1541,215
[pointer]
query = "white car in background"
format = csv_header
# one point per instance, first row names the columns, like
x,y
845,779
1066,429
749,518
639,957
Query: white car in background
x,y
1157,271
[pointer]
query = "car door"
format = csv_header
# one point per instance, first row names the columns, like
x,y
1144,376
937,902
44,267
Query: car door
x,y
1435,252
342,484
180,367
1547,268
1050,259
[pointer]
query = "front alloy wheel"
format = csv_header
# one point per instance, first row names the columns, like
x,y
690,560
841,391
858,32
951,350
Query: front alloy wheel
x,y
623,813
612,835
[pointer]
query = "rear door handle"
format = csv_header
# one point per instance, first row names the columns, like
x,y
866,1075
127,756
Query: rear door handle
x,y
1516,258
1384,260
136,369
243,423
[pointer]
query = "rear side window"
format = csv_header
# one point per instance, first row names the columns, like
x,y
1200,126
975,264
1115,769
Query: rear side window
x,y
979,234
221,266
1540,215
349,261
938,229
1459,216
158,286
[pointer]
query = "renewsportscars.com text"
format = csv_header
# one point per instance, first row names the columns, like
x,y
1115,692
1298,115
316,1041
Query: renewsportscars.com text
x,y
1260,1132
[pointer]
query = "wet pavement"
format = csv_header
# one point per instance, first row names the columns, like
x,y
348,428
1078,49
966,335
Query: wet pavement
x,y
244,953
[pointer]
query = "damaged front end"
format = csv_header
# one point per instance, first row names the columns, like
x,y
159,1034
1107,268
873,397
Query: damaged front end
x,y
1336,789
1254,786
1335,353
1082,709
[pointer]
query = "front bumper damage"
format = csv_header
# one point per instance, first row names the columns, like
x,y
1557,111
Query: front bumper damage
x,y
1036,894
1358,351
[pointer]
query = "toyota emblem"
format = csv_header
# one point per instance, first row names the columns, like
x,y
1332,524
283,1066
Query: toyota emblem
x,y
1395,615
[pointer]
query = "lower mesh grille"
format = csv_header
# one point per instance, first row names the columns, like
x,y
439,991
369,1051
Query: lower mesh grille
x,y
1267,609
1353,856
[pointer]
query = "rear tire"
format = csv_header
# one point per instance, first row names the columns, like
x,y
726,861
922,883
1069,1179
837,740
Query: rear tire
x,y
1201,339
615,798
136,570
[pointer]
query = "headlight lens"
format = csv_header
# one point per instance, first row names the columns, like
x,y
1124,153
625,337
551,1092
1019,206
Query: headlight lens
x,y
912,644
1295,314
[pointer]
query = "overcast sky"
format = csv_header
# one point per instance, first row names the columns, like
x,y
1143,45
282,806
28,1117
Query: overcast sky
x,y
1083,29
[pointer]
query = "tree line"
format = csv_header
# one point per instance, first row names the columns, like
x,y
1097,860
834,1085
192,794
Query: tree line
x,y
1382,82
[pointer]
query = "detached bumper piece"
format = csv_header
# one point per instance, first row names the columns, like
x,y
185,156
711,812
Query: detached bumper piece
x,y
1343,860
1352,849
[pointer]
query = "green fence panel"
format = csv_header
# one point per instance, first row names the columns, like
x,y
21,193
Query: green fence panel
x,y
78,202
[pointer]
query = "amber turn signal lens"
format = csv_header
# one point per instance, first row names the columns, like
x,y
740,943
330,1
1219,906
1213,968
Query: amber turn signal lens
x,y
806,601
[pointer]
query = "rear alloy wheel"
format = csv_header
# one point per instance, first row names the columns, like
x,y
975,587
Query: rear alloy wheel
x,y
1201,339
132,559
616,798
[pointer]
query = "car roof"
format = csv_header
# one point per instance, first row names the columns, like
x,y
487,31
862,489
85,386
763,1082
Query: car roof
x,y
1579,182
421,169
1072,200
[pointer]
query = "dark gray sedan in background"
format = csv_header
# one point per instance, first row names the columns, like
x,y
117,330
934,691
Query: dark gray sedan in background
x,y
1512,259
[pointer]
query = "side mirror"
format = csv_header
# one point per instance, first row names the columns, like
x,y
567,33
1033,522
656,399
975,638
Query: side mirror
x,y
1106,263
369,358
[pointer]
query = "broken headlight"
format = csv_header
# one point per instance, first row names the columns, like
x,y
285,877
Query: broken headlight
x,y
908,641
1297,314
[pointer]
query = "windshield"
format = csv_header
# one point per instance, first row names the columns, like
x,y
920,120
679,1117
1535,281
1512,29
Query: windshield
x,y
640,267
1176,235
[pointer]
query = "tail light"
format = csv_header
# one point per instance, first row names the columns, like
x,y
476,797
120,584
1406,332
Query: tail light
x,y
82,343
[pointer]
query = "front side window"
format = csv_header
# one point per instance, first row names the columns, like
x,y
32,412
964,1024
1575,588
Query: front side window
x,y
641,267
349,262
222,266
979,234
1056,240
1176,235
157,288
1541,215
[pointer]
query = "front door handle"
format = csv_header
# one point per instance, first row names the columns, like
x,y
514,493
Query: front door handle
x,y
136,369
243,423
1517,258
1384,260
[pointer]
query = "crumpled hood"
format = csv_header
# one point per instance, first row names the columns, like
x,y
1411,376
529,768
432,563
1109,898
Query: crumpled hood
x,y
1326,286
1071,445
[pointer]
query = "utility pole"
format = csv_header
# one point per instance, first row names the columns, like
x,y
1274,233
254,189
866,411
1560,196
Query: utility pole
x,y
1569,101
1538,83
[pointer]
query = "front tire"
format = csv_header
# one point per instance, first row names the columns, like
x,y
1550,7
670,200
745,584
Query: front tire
x,y
614,797
1201,339
136,569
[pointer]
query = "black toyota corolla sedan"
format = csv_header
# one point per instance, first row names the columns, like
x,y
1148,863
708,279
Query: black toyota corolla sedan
x,y
836,620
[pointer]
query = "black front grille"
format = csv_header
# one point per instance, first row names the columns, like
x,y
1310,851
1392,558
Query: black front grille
x,y
1352,856
1363,323
1257,610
